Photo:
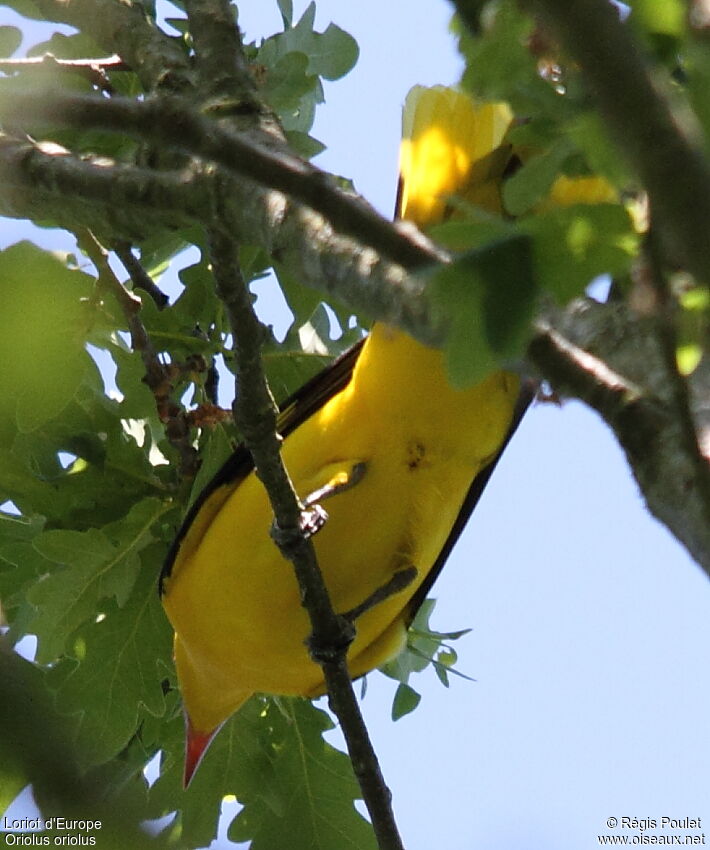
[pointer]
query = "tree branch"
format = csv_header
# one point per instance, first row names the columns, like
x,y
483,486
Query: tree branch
x,y
93,69
331,634
172,123
671,167
139,277
297,236
43,181
221,63
124,28
222,69
158,377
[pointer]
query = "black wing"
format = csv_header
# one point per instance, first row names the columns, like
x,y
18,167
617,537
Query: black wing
x,y
298,407
475,491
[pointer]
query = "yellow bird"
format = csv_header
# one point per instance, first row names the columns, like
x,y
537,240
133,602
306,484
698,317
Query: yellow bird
x,y
412,452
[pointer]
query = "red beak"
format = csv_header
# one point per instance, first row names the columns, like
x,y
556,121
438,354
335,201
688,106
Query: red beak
x,y
195,745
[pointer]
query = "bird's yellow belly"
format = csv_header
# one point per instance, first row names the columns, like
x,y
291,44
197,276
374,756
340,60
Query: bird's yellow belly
x,y
398,514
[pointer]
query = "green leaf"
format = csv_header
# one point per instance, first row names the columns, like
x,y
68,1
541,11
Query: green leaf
x,y
424,647
92,566
43,327
573,245
334,53
697,64
486,299
137,400
303,144
26,8
301,300
534,179
17,483
663,16
295,59
20,567
286,9
159,249
214,452
117,672
309,801
18,528
75,46
475,230
26,755
287,82
662,25
692,322
406,699
182,25
500,66
289,370
590,136
315,333
296,789
330,54
10,40
20,563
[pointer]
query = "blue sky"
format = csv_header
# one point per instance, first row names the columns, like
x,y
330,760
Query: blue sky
x,y
590,623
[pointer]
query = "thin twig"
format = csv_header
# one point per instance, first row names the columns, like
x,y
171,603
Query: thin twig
x,y
223,70
331,634
93,70
158,376
139,276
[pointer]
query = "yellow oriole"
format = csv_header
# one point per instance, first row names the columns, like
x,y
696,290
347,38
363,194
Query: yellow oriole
x,y
382,420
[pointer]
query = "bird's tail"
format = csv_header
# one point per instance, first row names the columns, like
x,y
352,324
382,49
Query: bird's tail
x,y
451,147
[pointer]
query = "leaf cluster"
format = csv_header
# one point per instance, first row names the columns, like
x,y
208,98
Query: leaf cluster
x,y
572,209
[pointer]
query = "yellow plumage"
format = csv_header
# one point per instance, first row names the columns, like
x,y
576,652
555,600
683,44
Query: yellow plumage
x,y
451,146
410,443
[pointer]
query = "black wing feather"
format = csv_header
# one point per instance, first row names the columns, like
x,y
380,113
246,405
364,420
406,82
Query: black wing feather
x,y
298,407
475,491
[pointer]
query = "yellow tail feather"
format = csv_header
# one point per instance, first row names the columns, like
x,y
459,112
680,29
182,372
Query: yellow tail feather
x,y
448,142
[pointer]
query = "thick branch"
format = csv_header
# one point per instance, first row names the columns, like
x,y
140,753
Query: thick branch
x,y
673,169
298,237
603,356
42,181
172,123
221,63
